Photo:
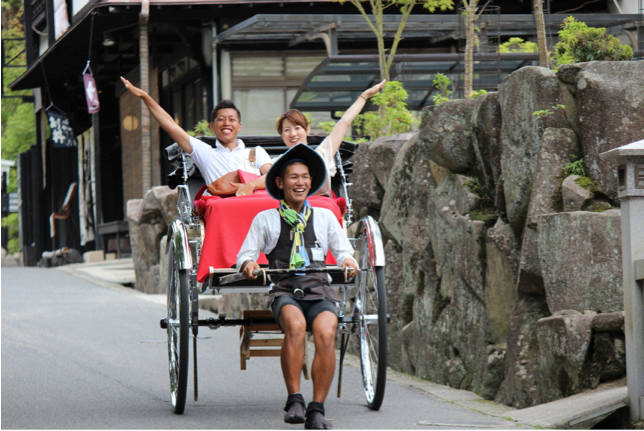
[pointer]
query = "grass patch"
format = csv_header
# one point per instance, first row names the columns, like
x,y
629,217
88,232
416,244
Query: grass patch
x,y
587,184
600,207
475,187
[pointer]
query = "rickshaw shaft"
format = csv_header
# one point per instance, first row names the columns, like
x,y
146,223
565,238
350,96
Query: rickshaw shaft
x,y
217,322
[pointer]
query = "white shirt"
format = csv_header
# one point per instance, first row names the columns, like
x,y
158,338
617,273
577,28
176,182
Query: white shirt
x,y
217,162
266,227
325,150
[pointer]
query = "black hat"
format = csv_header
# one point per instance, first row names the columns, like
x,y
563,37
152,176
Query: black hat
x,y
299,153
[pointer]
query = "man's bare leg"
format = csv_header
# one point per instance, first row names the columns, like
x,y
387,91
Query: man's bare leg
x,y
323,369
293,324
324,327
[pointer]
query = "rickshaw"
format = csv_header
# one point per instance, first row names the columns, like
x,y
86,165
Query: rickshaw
x,y
363,311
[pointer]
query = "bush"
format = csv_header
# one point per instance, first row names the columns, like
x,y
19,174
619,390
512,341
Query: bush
x,y
578,43
442,83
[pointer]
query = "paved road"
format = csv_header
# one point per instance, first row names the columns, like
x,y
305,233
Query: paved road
x,y
79,355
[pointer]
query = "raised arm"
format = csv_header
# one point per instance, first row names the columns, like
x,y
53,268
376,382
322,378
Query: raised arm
x,y
340,129
164,119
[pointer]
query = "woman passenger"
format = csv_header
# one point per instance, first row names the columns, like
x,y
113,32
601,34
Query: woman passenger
x,y
294,129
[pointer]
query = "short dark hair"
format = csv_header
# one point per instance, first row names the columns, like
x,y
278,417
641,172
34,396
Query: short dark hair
x,y
224,104
282,173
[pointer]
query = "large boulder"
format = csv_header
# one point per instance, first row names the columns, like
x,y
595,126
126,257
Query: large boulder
x,y
564,341
500,279
610,96
382,155
366,192
520,388
448,135
399,304
403,216
486,122
573,195
583,253
557,147
522,93
148,221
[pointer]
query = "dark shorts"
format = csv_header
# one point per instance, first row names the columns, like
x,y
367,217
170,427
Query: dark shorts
x,y
310,308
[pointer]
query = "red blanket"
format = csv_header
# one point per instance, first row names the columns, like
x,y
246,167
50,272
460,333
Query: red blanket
x,y
228,221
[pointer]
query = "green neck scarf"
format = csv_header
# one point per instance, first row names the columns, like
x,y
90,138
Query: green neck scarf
x,y
299,256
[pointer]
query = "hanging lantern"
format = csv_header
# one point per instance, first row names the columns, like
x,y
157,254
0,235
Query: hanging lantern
x,y
91,92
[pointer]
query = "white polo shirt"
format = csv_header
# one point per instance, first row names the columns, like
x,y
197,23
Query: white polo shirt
x,y
218,161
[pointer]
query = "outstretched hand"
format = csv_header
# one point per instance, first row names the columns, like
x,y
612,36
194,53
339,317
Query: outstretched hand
x,y
134,90
374,90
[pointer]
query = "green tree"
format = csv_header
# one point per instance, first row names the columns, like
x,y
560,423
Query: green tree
x,y
516,44
18,121
578,43
376,23
397,119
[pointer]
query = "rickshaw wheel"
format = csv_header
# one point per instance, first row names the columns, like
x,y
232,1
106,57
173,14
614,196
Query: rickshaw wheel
x,y
371,307
178,327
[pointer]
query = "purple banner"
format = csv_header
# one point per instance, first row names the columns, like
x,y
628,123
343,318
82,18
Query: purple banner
x,y
91,94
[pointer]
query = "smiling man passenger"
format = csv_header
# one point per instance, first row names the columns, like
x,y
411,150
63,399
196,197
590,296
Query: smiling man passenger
x,y
295,235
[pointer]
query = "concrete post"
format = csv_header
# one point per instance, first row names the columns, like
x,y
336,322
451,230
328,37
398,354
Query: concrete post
x,y
630,165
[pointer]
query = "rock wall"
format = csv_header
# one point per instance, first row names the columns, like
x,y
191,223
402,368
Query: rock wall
x,y
149,219
491,286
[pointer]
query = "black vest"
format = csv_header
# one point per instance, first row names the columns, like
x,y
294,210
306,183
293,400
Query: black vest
x,y
316,286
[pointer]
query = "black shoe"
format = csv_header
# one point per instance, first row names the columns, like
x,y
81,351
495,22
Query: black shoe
x,y
315,417
295,409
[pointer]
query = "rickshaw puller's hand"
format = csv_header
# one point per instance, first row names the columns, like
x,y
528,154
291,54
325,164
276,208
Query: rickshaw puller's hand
x,y
248,270
349,263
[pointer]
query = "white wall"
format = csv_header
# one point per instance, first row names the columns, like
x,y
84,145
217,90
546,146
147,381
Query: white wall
x,y
77,5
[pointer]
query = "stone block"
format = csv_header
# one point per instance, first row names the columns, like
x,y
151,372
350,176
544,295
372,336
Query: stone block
x,y
574,196
608,361
523,92
399,303
167,199
610,95
403,216
609,322
133,210
486,123
93,256
448,135
500,288
383,152
454,372
557,147
583,254
493,371
150,207
563,341
568,72
520,388
366,192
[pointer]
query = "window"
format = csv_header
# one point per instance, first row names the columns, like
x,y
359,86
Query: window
x,y
263,85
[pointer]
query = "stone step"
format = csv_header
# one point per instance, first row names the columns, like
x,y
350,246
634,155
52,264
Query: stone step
x,y
580,411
